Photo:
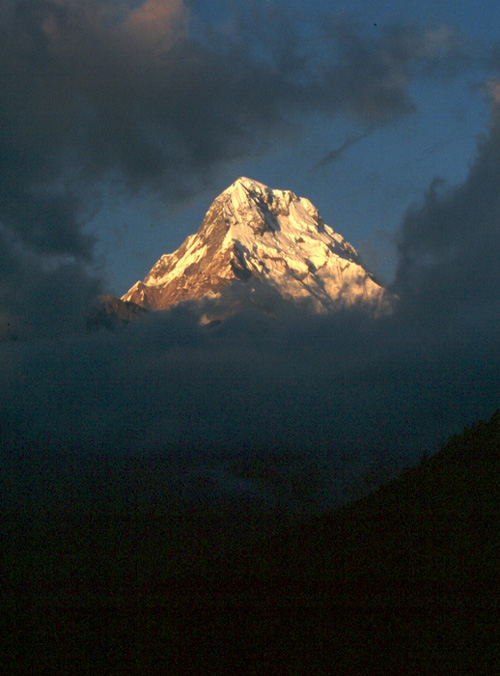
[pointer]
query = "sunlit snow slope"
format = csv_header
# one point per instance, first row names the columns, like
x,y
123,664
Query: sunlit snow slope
x,y
254,239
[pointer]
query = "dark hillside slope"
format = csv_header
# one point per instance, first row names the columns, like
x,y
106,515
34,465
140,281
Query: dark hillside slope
x,y
404,581
430,536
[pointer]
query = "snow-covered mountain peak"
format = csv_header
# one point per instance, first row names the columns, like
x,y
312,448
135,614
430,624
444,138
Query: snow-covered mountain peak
x,y
247,184
259,238
245,191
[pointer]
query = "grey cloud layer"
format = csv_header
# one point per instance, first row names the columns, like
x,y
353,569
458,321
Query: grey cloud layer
x,y
448,245
249,407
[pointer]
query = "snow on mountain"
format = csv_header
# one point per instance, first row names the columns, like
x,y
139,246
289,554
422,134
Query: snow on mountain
x,y
258,240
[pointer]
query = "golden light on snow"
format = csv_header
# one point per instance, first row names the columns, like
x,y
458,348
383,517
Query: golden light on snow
x,y
276,239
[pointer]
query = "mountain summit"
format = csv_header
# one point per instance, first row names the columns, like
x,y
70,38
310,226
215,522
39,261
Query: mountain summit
x,y
256,243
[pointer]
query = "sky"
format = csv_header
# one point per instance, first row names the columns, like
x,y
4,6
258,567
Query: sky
x,y
122,120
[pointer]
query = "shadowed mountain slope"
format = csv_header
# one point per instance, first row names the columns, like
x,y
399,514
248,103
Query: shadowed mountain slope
x,y
404,581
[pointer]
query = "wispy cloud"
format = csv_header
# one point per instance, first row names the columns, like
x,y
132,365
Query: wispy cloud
x,y
335,154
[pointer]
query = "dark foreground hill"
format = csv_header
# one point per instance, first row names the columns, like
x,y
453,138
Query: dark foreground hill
x,y
405,581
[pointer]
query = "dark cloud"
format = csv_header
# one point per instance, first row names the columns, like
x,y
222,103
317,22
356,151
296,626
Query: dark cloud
x,y
319,389
371,76
127,88
41,297
448,245
213,436
223,433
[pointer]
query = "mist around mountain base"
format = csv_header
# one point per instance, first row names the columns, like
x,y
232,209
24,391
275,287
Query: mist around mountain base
x,y
138,465
294,415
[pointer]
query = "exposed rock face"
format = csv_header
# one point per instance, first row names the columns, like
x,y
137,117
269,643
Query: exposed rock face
x,y
112,313
255,237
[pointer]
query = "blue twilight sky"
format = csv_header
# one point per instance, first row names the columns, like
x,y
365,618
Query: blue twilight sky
x,y
428,128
